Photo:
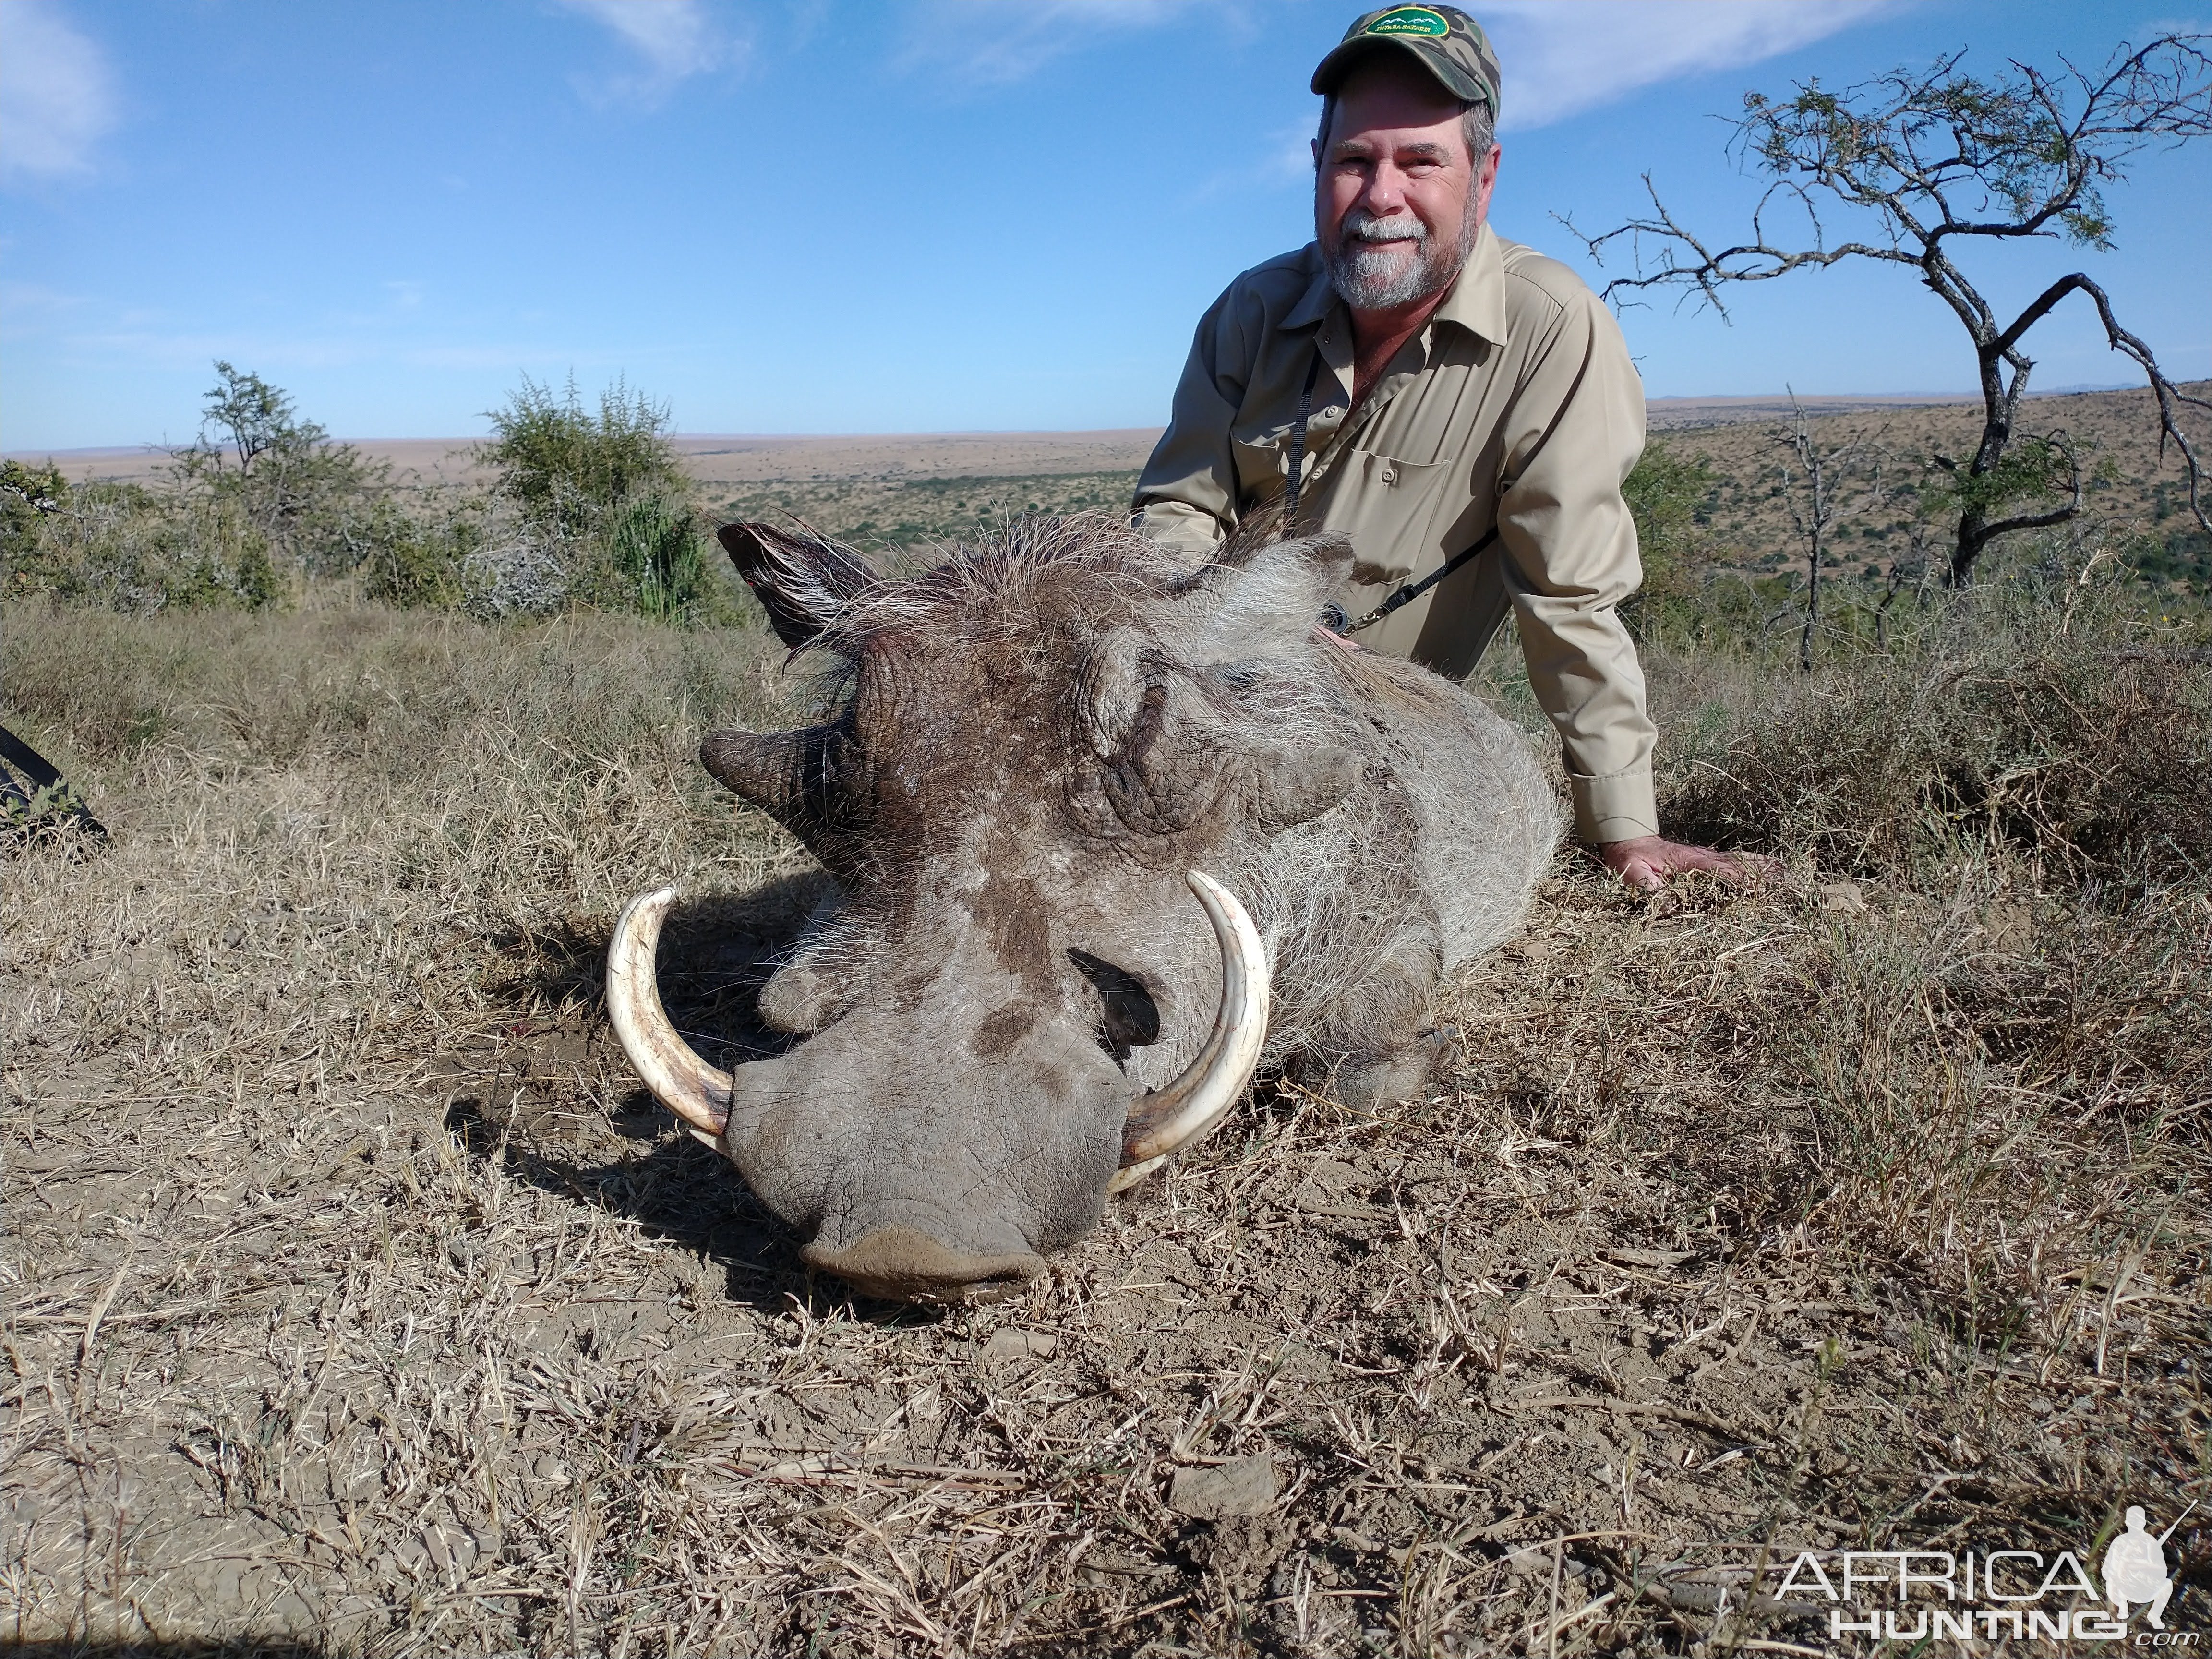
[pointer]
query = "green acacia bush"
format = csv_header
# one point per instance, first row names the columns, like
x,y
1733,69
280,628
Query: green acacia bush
x,y
559,461
319,505
601,513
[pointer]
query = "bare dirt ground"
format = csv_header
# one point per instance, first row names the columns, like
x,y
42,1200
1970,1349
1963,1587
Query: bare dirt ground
x,y
753,457
358,1301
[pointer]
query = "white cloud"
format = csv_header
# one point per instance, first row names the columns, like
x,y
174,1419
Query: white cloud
x,y
57,94
995,42
677,38
1559,57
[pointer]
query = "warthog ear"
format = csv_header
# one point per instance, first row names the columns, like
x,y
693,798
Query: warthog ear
x,y
1295,785
801,580
1267,601
807,780
764,768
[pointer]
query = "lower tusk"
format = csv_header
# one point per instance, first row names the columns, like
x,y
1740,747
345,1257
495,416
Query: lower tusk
x,y
695,1091
1176,1116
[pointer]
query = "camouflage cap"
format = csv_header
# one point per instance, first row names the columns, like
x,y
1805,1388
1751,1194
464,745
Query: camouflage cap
x,y
1443,40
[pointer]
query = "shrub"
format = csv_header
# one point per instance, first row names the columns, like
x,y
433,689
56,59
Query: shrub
x,y
28,496
1666,494
587,510
417,565
562,463
602,518
135,548
655,559
260,504
319,505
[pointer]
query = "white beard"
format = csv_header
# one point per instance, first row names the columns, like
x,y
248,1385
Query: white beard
x,y
1372,278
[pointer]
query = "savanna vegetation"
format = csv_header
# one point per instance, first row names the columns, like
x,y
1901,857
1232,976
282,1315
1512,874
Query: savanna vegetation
x,y
359,1297
1930,172
360,1302
581,508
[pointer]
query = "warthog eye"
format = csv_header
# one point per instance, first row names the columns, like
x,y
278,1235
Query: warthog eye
x,y
1128,1017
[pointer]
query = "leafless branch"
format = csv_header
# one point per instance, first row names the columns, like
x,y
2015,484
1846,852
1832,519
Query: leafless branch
x,y
1941,158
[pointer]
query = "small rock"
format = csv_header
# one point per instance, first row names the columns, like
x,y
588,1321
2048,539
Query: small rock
x,y
1008,1343
1637,1256
1529,1560
1843,898
1246,1486
453,1549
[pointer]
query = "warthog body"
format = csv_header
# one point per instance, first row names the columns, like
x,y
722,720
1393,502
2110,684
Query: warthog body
x,y
1037,741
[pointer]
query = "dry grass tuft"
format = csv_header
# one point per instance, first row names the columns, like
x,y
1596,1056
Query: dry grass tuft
x,y
356,1294
2088,751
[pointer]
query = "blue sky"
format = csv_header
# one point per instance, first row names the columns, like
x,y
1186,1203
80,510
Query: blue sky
x,y
862,215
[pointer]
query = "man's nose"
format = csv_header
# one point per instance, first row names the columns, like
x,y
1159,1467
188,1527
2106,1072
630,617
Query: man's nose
x,y
1385,192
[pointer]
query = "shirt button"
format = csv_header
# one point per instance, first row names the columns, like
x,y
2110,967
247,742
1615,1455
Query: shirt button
x,y
1389,474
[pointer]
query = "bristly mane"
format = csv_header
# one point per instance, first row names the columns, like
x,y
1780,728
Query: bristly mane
x,y
1003,582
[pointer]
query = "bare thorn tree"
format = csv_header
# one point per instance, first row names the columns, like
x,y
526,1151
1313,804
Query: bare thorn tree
x,y
1816,490
1940,161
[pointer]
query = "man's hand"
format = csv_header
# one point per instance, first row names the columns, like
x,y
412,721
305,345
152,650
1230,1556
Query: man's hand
x,y
1646,862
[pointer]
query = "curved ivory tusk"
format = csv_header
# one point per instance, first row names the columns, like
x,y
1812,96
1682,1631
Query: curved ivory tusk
x,y
686,1085
1170,1118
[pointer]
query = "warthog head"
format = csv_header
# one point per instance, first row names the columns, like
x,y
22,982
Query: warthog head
x,y
1034,989
1032,992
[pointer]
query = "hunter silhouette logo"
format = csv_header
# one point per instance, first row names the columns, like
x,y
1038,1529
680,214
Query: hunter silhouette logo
x,y
2135,1567
1940,1599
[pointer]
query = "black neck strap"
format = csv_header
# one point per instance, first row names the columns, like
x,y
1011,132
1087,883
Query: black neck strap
x,y
1412,591
1298,445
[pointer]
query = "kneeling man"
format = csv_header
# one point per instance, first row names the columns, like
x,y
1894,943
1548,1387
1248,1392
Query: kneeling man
x,y
1414,382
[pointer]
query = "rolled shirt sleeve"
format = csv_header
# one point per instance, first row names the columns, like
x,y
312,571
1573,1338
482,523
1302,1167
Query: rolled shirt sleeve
x,y
1570,561
1187,494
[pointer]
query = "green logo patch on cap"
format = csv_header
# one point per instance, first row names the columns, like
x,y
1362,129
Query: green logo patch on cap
x,y
1410,19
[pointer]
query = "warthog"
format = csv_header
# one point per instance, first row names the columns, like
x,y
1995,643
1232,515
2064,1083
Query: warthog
x,y
1110,835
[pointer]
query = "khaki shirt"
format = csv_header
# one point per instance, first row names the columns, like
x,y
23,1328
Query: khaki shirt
x,y
1515,404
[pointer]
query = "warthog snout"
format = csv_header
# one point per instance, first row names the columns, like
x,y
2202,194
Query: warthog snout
x,y
902,1264
921,1180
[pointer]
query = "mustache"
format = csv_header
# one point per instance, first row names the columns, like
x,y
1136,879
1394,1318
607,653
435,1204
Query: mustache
x,y
1361,226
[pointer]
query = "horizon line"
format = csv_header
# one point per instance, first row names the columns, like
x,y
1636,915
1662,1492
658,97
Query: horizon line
x,y
1709,399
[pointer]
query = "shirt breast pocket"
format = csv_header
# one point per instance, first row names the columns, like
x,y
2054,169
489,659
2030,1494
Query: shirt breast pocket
x,y
1387,506
1263,470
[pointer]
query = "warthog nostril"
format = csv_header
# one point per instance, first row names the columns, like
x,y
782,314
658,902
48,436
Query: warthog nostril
x,y
899,1264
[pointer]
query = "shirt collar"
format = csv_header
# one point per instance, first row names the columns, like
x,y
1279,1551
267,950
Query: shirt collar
x,y
1475,301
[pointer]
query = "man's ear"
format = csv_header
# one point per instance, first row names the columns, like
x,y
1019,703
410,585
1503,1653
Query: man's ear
x,y
802,580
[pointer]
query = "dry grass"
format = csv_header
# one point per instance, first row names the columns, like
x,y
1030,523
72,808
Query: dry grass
x,y
359,1297
898,510
2130,481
